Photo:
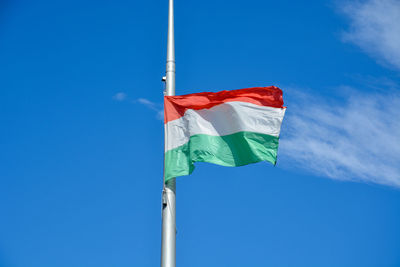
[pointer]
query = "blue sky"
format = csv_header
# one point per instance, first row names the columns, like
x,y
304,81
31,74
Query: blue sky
x,y
81,142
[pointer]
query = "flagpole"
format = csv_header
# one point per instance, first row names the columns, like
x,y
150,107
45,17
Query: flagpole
x,y
168,238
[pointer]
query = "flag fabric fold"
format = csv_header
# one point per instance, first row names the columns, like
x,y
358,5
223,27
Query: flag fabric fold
x,y
229,128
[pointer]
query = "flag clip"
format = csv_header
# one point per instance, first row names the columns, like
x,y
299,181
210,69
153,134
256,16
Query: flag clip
x,y
164,198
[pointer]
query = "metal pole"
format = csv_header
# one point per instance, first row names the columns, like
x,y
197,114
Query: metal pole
x,y
168,239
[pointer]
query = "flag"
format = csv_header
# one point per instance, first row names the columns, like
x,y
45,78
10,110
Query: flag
x,y
229,128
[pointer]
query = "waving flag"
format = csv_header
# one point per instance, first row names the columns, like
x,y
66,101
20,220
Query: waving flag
x,y
229,128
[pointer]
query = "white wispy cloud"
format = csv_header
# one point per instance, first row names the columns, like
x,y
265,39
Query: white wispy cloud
x,y
375,28
153,106
148,103
120,96
355,139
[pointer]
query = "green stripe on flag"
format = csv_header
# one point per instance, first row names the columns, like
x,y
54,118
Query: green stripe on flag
x,y
232,150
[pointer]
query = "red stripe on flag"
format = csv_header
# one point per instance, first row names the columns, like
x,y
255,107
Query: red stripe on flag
x,y
175,106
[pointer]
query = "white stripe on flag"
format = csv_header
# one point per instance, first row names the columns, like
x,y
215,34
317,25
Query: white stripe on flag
x,y
224,119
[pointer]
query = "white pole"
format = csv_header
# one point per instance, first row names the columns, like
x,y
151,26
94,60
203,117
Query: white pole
x,y
168,239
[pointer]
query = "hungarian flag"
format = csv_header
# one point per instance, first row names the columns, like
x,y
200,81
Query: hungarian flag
x,y
229,128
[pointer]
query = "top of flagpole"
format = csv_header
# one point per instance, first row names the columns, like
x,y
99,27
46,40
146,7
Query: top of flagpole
x,y
170,73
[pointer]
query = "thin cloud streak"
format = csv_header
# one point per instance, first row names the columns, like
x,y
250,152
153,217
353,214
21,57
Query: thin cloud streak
x,y
153,106
357,140
121,96
148,103
375,28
